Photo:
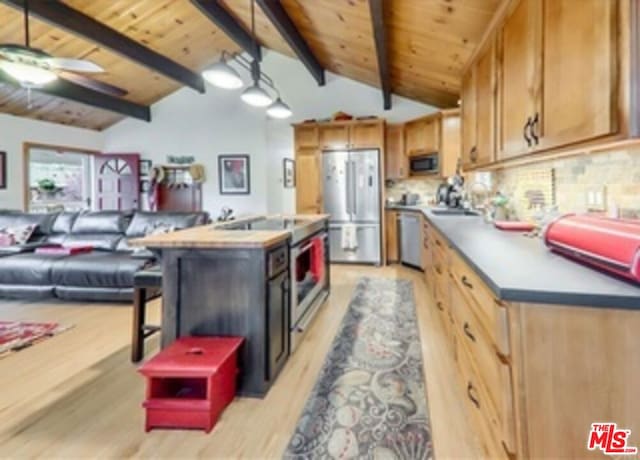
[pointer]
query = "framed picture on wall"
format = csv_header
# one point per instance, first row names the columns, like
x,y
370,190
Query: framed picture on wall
x,y
3,170
234,174
145,167
288,173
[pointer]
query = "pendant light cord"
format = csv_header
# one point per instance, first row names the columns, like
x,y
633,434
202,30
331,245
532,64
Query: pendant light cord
x,y
27,39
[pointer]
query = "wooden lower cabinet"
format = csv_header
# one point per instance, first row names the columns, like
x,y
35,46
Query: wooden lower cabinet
x,y
391,236
533,377
308,183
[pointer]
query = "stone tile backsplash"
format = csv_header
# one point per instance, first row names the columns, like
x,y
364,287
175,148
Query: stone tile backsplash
x,y
426,188
614,175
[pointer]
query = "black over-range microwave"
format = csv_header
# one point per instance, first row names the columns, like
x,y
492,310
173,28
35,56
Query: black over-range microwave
x,y
424,164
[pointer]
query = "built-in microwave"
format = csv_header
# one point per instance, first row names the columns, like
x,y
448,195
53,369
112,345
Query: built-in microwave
x,y
424,164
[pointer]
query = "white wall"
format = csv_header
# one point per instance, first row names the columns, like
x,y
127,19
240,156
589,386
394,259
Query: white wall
x,y
14,131
204,126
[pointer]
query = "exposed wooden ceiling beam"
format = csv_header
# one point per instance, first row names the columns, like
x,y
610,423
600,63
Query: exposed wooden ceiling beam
x,y
380,38
224,20
281,21
67,90
60,15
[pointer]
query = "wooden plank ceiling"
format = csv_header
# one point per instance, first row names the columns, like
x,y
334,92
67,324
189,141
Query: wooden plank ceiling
x,y
429,42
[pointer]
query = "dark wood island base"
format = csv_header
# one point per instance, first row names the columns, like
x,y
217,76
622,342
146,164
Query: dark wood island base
x,y
230,288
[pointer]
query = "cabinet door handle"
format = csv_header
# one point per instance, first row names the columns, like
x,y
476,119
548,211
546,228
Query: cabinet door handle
x,y
438,270
466,282
439,305
473,154
474,400
467,331
525,131
533,129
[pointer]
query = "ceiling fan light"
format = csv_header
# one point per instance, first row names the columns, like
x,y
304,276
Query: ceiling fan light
x,y
223,76
279,110
256,96
28,75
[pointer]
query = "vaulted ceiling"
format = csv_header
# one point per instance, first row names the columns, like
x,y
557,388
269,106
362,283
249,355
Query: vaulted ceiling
x,y
428,43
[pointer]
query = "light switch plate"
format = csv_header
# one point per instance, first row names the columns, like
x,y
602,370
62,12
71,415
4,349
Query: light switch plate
x,y
596,198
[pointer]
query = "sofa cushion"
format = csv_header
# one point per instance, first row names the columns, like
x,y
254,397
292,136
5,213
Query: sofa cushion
x,y
28,268
100,222
97,269
143,223
16,235
64,222
42,222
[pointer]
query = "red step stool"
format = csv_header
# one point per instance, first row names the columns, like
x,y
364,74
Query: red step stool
x,y
190,382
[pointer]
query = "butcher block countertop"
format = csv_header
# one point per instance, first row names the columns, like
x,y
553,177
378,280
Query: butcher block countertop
x,y
214,237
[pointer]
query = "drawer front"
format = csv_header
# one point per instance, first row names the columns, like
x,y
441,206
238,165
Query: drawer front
x,y
493,375
491,314
482,415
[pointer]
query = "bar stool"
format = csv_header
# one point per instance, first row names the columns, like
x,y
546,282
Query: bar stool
x,y
147,285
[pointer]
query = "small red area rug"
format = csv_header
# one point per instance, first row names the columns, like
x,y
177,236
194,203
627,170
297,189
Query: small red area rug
x,y
16,335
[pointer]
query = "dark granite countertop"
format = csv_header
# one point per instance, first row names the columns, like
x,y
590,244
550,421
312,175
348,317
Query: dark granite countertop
x,y
521,269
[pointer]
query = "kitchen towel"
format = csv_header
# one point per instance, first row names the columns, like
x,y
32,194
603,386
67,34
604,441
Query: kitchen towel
x,y
349,237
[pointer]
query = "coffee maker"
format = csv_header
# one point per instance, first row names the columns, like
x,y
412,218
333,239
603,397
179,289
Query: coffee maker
x,y
451,192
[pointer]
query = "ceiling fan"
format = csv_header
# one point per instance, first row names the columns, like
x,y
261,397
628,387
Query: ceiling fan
x,y
33,68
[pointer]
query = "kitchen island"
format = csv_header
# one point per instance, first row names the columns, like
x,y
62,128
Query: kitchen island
x,y
262,278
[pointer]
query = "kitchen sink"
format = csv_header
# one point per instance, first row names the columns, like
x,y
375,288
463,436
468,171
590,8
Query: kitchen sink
x,y
454,212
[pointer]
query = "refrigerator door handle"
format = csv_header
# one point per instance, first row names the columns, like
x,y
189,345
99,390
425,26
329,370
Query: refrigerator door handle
x,y
354,189
347,193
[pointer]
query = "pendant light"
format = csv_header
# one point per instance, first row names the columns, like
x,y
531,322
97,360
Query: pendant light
x,y
254,95
222,75
279,110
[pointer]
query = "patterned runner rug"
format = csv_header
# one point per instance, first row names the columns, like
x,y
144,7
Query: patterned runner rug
x,y
16,335
370,399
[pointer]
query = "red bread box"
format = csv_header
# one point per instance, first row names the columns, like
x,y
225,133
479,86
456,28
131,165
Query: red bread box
x,y
190,382
612,245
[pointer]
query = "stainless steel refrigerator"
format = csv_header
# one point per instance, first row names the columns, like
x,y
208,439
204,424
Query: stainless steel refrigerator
x,y
351,188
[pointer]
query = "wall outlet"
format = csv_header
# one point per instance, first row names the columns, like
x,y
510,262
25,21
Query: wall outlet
x,y
596,198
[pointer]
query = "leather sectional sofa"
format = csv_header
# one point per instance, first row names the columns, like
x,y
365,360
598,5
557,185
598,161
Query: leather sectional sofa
x,y
104,274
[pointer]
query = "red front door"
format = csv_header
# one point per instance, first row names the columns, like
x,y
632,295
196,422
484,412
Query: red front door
x,y
117,181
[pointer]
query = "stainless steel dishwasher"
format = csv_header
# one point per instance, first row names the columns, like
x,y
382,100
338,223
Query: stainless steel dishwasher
x,y
410,238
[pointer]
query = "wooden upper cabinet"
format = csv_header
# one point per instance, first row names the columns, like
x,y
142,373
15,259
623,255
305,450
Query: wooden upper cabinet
x,y
306,136
396,162
414,137
334,136
366,134
468,111
422,135
450,149
485,85
580,71
308,185
520,81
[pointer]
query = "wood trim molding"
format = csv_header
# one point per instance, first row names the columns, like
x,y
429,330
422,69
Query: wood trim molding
x,y
502,12
26,148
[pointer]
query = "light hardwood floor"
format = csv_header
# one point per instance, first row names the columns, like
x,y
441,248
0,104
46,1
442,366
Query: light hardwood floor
x,y
76,395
